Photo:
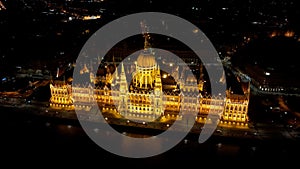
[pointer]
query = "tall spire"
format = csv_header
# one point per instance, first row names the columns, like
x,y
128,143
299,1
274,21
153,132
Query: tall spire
x,y
123,81
158,83
123,96
158,105
122,68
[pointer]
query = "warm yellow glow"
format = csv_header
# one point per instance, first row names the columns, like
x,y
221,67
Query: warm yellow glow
x,y
289,34
143,99
91,17
273,34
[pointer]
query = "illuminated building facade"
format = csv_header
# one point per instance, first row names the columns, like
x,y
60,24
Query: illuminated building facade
x,y
143,98
135,102
60,95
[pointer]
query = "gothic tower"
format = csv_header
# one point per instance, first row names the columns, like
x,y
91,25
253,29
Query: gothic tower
x,y
158,103
123,99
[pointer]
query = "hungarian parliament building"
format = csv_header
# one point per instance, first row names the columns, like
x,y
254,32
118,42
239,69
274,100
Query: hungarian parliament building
x,y
147,96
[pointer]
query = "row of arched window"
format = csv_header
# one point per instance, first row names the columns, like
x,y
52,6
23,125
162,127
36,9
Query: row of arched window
x,y
60,100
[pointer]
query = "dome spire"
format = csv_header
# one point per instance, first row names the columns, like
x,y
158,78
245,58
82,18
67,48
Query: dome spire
x,y
145,32
146,42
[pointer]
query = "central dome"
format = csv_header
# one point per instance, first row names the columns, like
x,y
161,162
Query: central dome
x,y
146,59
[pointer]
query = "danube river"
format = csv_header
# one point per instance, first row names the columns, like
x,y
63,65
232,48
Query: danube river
x,y
53,140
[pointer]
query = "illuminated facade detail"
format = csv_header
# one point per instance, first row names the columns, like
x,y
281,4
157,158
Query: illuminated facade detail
x,y
60,95
84,96
236,106
146,69
211,104
142,99
109,77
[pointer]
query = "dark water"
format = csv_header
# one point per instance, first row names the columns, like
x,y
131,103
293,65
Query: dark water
x,y
40,141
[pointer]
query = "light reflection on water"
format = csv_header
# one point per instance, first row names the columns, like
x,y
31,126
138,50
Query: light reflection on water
x,y
43,137
217,148
69,131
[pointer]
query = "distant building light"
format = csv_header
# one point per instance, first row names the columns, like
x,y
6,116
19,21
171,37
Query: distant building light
x,y
91,17
289,34
267,73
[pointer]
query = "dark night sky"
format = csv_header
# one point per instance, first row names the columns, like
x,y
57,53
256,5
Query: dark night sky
x,y
32,37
